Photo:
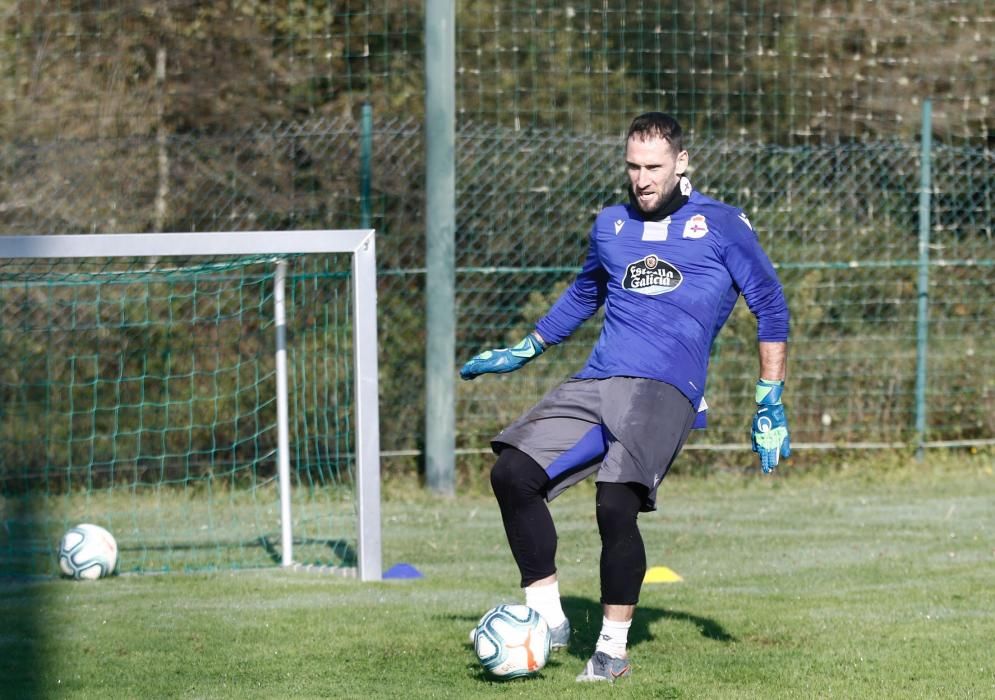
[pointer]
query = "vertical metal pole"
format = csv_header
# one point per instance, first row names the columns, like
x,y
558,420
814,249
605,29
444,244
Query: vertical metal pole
x,y
282,412
922,317
365,156
364,315
440,224
162,192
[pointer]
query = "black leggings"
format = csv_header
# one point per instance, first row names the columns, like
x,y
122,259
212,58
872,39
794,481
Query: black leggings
x,y
519,484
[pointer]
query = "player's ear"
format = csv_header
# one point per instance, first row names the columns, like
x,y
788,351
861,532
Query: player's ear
x,y
682,162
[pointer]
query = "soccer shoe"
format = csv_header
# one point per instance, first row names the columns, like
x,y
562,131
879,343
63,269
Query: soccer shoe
x,y
602,667
559,636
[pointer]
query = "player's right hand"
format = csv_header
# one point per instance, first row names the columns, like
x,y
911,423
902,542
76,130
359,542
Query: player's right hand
x,y
503,360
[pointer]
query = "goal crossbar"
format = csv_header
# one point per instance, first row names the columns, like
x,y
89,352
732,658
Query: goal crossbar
x,y
360,243
127,245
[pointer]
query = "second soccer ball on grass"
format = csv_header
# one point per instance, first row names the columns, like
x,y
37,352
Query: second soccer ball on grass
x,y
87,552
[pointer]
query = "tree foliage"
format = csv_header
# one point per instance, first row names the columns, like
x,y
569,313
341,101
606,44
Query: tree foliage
x,y
767,70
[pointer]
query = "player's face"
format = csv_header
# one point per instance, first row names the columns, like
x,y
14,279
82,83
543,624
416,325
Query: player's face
x,y
654,169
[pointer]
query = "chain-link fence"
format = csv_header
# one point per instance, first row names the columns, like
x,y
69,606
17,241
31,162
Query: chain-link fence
x,y
240,116
841,224
839,221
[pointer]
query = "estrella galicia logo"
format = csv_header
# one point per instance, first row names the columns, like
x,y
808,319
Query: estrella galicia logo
x,y
652,276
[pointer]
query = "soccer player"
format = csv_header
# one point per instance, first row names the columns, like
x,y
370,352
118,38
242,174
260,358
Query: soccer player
x,y
668,268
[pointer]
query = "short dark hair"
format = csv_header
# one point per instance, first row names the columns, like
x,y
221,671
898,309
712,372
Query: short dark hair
x,y
657,124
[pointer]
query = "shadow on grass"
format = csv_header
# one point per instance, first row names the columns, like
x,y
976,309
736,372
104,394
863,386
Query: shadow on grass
x,y
344,554
585,618
21,604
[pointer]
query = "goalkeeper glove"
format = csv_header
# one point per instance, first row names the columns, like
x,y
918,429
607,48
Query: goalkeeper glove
x,y
503,360
770,436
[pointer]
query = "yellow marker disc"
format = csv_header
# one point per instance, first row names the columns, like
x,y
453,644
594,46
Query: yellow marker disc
x,y
661,574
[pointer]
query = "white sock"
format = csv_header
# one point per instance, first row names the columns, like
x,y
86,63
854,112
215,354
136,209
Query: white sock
x,y
545,600
613,638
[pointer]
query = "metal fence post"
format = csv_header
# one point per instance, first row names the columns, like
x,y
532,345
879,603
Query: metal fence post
x,y
365,172
440,231
922,317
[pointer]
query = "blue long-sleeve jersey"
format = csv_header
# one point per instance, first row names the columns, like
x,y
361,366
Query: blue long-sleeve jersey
x,y
668,287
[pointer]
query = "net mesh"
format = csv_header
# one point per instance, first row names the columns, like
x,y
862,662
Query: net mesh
x,y
141,394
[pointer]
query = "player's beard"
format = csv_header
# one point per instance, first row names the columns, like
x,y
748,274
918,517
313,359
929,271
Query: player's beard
x,y
651,205
662,205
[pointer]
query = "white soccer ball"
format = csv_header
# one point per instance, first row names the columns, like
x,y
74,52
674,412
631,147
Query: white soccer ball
x,y
87,552
512,641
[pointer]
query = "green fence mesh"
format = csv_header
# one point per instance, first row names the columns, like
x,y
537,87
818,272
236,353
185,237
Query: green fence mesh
x,y
234,116
841,223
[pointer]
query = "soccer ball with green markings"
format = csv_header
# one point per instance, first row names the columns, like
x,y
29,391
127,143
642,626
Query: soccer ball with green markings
x,y
87,552
512,641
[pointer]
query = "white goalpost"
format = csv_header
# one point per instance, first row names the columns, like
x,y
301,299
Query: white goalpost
x,y
266,248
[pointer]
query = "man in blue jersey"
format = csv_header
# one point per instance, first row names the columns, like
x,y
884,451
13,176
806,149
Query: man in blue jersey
x,y
668,268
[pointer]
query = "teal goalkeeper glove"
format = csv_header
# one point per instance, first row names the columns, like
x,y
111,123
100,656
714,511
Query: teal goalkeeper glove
x,y
770,437
503,360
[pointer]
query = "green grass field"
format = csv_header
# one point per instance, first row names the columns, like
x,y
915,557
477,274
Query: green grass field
x,y
843,584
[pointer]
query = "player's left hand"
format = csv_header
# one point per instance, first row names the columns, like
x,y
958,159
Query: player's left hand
x,y
770,436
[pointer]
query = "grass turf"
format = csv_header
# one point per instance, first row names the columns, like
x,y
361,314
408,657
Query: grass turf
x,y
821,585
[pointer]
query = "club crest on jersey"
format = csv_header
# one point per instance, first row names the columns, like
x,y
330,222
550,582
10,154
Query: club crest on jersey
x,y
651,276
696,227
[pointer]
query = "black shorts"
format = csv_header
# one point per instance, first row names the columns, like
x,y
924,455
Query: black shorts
x,y
626,429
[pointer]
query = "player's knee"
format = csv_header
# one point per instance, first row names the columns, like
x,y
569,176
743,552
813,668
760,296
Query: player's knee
x,y
618,507
517,474
502,477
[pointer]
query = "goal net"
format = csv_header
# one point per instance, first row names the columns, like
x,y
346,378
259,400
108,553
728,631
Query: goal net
x,y
209,398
